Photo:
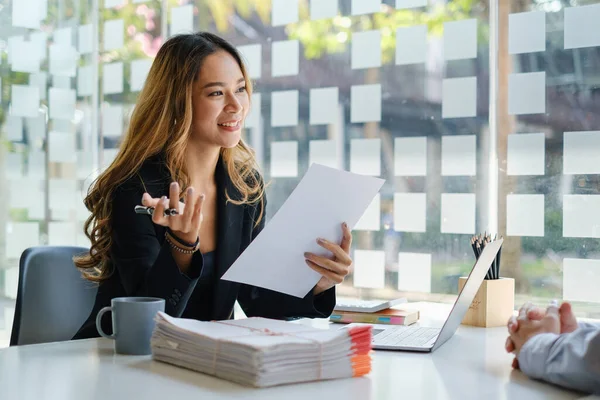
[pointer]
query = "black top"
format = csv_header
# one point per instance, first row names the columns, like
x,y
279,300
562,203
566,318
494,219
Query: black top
x,y
143,265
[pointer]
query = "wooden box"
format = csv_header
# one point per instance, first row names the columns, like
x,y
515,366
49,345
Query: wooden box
x,y
493,304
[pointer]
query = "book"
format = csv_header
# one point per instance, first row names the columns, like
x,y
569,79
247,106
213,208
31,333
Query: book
x,y
262,352
391,316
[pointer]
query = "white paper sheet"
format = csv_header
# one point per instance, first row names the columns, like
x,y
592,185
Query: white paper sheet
x,y
371,219
284,108
84,81
14,43
581,215
61,233
26,59
414,272
581,26
458,213
112,79
366,49
526,32
526,154
323,9
41,81
527,93
61,147
41,42
284,159
411,45
139,72
85,39
580,280
365,103
360,7
525,215
114,31
369,269
63,36
285,58
14,128
27,13
21,235
459,155
410,156
410,212
284,12
253,118
459,97
252,56
460,39
275,259
62,194
324,106
112,121
581,152
365,156
62,103
25,101
402,4
63,60
324,152
182,19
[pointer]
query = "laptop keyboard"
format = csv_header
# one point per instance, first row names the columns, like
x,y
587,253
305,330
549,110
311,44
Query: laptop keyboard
x,y
410,336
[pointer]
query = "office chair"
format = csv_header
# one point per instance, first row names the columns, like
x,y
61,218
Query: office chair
x,y
53,300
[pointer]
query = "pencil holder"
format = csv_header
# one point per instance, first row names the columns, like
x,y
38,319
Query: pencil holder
x,y
493,304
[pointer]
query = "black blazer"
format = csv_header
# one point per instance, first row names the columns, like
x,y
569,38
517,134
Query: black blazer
x,y
143,264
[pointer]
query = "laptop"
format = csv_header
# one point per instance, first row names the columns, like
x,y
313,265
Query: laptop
x,y
426,339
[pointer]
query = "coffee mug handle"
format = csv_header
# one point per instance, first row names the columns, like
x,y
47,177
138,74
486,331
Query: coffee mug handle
x,y
98,325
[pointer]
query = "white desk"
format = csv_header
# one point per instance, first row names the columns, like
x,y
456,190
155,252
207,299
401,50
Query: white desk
x,y
471,365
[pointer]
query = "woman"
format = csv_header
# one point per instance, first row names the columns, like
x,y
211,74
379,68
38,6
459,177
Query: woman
x,y
183,151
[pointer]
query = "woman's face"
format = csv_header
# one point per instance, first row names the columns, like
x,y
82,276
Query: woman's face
x,y
219,101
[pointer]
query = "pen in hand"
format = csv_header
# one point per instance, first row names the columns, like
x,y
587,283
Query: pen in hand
x,y
150,211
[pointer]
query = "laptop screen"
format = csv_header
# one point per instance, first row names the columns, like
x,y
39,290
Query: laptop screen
x,y
467,294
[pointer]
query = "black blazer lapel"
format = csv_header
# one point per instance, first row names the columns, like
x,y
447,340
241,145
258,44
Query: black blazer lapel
x,y
229,234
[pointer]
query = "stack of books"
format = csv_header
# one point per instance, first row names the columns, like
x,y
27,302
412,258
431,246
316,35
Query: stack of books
x,y
262,352
373,312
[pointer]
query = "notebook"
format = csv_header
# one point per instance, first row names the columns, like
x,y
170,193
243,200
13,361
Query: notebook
x,y
262,352
390,316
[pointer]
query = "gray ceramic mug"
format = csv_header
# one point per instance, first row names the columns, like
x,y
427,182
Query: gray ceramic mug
x,y
133,323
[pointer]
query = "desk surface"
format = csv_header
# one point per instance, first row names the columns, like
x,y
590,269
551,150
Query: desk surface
x,y
471,365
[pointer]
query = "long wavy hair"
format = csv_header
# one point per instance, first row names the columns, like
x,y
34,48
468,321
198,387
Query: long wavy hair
x,y
161,124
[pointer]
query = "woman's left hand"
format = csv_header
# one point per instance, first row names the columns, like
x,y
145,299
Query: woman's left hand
x,y
334,269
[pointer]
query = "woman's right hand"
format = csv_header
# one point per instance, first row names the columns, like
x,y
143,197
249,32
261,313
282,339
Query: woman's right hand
x,y
186,224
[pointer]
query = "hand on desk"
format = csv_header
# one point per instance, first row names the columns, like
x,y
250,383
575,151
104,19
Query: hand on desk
x,y
533,321
333,269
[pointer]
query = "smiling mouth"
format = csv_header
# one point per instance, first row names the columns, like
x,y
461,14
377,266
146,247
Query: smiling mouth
x,y
231,124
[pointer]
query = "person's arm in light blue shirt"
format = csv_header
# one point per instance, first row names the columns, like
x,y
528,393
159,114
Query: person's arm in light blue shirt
x,y
570,360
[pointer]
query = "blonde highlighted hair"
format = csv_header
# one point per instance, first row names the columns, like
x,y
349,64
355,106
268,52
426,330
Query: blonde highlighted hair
x,y
161,124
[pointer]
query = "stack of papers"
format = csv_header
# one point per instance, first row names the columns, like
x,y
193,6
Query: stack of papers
x,y
262,352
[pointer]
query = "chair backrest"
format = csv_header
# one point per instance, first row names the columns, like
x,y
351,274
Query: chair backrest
x,y
53,300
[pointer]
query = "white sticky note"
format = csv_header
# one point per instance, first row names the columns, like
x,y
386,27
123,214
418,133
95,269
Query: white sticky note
x,y
460,39
369,269
253,118
323,9
284,159
526,32
581,152
139,72
324,152
36,165
459,97
61,82
112,121
581,216
324,104
61,233
112,78
36,128
27,59
62,194
62,103
365,156
61,147
414,272
459,155
14,166
14,128
458,213
85,81
402,4
284,108
285,58
284,12
63,36
14,43
85,39
526,154
113,3
525,215
371,219
114,31
581,279
252,56
84,164
581,26
360,7
27,194
366,49
25,101
40,39
26,14
108,156
410,156
365,103
411,45
41,81
527,93
182,19
410,212
21,236
63,60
